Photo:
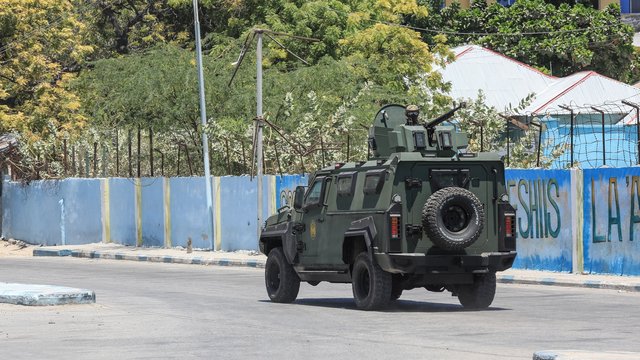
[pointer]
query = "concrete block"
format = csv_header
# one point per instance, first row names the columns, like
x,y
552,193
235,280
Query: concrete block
x,y
51,252
44,295
584,355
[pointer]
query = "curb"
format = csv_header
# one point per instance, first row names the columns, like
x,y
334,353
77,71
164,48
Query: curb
x,y
504,279
583,355
44,295
165,259
592,284
49,252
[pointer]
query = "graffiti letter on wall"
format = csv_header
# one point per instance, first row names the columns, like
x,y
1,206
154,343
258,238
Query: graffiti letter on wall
x,y
596,238
533,206
635,194
538,201
613,183
554,232
524,233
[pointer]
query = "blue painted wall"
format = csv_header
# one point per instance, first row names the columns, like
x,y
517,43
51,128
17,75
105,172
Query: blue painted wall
x,y
621,141
48,212
32,212
625,6
152,212
542,199
83,210
122,209
285,186
188,212
239,215
612,221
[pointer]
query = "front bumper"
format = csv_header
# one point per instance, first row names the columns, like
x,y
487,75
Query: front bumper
x,y
412,263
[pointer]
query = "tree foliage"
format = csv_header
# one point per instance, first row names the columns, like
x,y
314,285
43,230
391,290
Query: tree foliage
x,y
559,40
94,72
42,46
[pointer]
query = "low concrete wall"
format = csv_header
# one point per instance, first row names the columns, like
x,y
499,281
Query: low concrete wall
x,y
121,196
35,212
612,221
187,207
141,212
542,199
568,220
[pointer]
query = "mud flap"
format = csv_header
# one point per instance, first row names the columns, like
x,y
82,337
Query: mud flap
x,y
289,243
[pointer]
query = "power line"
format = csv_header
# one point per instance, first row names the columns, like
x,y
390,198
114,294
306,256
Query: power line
x,y
449,32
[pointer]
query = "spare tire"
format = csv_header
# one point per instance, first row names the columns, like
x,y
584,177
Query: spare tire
x,y
453,218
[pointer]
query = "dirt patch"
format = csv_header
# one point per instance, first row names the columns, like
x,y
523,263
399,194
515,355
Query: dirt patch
x,y
15,248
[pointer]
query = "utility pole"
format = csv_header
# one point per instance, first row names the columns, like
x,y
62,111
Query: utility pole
x,y
259,125
203,118
259,120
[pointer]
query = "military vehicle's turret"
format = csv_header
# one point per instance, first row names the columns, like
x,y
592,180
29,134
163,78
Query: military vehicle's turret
x,y
393,131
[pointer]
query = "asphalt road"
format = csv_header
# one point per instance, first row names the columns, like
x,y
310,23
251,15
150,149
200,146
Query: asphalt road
x,y
155,310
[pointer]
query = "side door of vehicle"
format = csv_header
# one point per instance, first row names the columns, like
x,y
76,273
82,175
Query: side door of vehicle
x,y
314,212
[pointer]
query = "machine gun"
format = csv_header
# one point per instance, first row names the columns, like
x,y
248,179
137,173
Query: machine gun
x,y
431,125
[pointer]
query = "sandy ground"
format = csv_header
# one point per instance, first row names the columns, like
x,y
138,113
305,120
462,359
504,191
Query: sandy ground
x,y
11,248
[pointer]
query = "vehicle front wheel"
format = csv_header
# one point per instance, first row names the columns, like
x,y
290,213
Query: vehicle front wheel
x,y
371,285
480,294
281,280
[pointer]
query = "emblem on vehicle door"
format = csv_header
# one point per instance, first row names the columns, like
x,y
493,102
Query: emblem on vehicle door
x,y
312,230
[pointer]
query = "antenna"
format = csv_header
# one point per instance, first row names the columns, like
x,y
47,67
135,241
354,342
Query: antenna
x,y
257,152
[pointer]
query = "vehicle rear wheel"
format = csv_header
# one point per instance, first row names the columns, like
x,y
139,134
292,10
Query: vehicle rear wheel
x,y
371,285
281,280
453,218
480,294
396,287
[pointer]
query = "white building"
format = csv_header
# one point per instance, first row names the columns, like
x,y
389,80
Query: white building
x,y
505,82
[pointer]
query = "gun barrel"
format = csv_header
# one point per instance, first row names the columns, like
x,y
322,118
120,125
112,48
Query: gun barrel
x,y
444,117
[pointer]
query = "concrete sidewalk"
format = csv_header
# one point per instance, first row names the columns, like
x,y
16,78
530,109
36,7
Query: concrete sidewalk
x,y
257,260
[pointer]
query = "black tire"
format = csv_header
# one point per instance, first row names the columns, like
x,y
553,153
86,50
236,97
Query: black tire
x,y
281,280
453,218
479,295
396,287
370,284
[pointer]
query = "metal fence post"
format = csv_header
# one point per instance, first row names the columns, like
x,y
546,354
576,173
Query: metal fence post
x,y
539,126
570,130
508,143
178,162
481,138
151,150
95,159
139,145
117,154
161,161
604,140
66,169
637,107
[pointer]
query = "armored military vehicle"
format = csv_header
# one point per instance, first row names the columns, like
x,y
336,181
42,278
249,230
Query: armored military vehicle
x,y
422,212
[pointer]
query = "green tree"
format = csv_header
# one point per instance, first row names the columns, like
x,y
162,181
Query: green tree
x,y
157,90
41,49
120,27
556,39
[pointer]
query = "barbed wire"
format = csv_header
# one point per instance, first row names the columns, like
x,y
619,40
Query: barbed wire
x,y
596,136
